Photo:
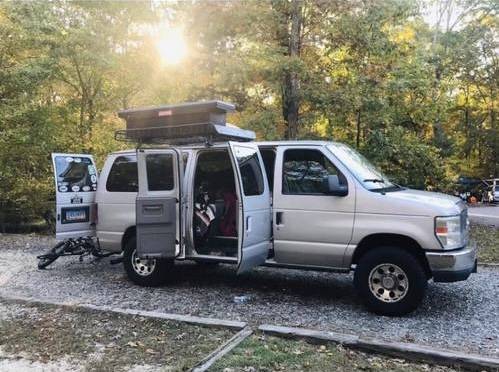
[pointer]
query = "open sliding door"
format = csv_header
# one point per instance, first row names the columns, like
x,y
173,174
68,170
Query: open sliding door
x,y
254,230
158,213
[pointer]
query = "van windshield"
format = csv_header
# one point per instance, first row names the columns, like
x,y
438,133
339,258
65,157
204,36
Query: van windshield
x,y
367,174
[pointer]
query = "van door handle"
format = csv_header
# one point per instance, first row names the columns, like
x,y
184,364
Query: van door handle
x,y
278,218
248,223
153,208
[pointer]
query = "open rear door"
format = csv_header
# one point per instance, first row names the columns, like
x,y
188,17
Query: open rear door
x,y
254,206
76,186
158,217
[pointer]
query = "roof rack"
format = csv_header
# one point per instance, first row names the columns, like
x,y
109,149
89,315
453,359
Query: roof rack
x,y
186,134
187,123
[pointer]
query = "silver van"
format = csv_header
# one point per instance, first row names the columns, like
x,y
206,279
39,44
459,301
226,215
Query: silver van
x,y
213,195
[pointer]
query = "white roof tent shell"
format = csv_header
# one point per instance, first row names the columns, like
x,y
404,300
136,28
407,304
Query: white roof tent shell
x,y
185,123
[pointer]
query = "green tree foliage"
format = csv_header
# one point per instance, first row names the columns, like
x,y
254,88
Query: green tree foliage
x,y
412,85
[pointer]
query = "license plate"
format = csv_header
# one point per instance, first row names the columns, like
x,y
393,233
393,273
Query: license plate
x,y
75,214
80,215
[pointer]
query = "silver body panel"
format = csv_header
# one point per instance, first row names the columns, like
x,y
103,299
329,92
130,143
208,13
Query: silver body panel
x,y
314,229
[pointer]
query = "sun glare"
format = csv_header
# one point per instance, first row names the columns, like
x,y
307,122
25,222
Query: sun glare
x,y
171,46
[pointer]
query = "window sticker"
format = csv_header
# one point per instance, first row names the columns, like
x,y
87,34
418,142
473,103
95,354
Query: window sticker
x,y
76,174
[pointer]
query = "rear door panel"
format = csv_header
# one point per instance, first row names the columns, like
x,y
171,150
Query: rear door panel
x,y
254,206
158,204
76,186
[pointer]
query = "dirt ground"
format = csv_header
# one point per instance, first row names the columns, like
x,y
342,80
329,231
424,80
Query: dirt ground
x,y
41,337
64,338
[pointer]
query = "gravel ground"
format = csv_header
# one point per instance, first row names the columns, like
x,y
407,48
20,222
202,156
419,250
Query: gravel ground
x,y
485,215
460,316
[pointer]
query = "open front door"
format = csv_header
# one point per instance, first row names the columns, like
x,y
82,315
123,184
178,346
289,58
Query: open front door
x,y
254,206
76,186
158,217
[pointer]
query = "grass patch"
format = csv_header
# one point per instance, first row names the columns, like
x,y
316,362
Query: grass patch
x,y
487,239
103,341
269,353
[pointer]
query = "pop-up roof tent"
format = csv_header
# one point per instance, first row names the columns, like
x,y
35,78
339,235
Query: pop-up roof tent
x,y
181,124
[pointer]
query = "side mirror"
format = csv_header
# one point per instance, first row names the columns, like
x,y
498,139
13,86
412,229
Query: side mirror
x,y
334,187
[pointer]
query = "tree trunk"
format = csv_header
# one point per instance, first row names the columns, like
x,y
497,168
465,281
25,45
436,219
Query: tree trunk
x,y
291,83
495,144
358,129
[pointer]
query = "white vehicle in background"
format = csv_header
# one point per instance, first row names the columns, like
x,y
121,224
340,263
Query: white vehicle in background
x,y
197,189
493,190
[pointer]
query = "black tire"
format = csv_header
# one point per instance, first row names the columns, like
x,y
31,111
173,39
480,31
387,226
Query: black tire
x,y
51,256
408,273
156,276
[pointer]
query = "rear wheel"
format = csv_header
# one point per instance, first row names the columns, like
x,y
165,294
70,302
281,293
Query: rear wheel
x,y
390,281
144,272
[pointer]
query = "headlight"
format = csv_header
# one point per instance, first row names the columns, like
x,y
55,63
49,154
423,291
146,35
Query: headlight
x,y
452,231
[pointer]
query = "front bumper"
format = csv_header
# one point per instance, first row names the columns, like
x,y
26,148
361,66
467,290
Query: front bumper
x,y
453,266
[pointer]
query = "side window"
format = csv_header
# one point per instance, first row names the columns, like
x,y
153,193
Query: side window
x,y
305,172
159,169
268,156
123,175
251,173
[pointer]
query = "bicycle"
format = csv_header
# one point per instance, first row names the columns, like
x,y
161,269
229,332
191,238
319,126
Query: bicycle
x,y
72,247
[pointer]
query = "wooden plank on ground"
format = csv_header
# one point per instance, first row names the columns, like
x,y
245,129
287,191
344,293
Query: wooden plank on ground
x,y
224,349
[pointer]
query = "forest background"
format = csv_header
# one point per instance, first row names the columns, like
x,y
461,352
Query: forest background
x,y
413,85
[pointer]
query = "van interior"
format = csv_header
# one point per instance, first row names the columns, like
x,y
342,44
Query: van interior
x,y
215,218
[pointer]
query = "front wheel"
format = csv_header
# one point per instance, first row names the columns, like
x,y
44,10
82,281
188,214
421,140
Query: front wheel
x,y
52,255
144,272
390,281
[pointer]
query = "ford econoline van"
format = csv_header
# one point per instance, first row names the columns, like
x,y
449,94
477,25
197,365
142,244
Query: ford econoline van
x,y
195,188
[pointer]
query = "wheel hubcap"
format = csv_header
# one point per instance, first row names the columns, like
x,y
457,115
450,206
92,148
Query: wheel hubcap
x,y
142,266
388,282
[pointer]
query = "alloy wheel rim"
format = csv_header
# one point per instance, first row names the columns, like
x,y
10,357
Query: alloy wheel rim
x,y
388,283
142,266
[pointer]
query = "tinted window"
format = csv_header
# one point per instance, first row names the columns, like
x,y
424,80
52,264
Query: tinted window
x,y
268,157
75,174
306,172
251,173
123,175
159,172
